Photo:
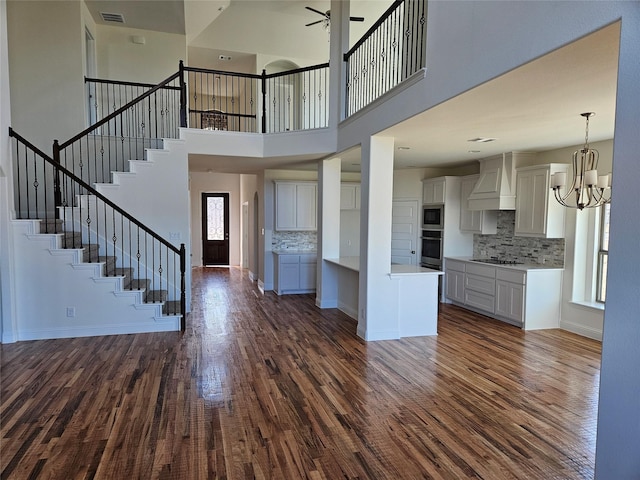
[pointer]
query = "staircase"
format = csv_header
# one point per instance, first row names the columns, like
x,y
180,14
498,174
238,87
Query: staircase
x,y
85,262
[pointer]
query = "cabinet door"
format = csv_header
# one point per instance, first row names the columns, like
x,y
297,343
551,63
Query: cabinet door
x,y
454,285
289,273
308,270
433,191
510,300
347,197
532,194
286,206
470,221
306,200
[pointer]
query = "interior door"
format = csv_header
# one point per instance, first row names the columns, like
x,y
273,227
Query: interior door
x,y
404,232
215,229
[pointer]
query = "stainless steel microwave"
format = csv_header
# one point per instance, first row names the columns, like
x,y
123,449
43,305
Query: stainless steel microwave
x,y
433,217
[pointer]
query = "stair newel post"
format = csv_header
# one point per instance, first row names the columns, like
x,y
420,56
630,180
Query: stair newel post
x,y
264,101
183,96
57,194
183,296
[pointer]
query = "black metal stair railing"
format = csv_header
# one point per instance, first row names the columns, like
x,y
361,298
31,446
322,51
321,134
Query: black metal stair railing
x,y
68,205
124,134
104,97
392,50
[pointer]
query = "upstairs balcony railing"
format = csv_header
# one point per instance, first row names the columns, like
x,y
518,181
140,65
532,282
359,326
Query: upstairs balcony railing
x,y
391,51
218,100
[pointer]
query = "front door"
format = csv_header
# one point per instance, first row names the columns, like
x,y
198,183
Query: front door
x,y
215,229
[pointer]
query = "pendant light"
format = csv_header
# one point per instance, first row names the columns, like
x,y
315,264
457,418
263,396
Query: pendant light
x,y
587,189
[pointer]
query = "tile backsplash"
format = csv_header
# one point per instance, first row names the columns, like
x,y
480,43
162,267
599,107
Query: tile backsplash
x,y
293,240
504,245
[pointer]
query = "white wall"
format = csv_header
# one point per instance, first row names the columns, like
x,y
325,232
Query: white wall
x,y
204,182
249,189
121,59
36,65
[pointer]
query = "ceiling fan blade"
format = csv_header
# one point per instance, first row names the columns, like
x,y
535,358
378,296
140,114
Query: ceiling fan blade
x,y
356,19
313,23
317,11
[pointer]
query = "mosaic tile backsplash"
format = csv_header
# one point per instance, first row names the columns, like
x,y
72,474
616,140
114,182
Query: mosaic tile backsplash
x,y
504,245
294,241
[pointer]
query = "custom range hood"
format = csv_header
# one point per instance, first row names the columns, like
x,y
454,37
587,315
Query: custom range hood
x,y
496,186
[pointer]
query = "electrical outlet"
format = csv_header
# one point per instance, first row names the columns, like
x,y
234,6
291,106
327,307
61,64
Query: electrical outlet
x,y
71,311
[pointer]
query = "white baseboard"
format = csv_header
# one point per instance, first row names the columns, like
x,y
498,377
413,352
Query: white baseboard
x,y
576,328
261,286
170,324
352,312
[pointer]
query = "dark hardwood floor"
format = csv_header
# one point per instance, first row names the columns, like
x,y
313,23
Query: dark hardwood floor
x,y
271,387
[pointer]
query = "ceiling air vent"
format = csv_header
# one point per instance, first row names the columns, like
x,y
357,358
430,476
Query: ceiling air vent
x,y
112,17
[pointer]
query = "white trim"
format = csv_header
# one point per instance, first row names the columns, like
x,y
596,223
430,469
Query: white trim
x,y
344,308
165,324
579,329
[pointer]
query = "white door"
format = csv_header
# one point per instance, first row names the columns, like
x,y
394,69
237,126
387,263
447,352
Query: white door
x,y
404,232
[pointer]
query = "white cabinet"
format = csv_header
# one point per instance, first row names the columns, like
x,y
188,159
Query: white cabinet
x,y
538,214
475,221
480,287
529,298
510,293
296,206
350,196
295,273
433,190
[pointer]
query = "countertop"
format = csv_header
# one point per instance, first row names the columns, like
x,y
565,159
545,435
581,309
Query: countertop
x,y
353,263
521,267
294,252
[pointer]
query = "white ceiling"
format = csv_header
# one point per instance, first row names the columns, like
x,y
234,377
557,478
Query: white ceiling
x,y
535,107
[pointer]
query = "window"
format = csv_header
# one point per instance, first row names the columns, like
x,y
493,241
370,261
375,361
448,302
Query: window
x,y
603,254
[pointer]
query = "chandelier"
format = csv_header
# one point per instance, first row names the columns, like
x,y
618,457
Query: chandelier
x,y
587,189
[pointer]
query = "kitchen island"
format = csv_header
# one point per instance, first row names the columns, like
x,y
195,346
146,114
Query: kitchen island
x,y
415,294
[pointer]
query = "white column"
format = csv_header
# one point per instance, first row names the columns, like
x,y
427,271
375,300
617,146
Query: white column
x,y
328,231
378,310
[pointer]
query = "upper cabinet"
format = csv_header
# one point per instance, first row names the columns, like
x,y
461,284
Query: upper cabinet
x,y
538,214
475,221
433,191
350,196
296,205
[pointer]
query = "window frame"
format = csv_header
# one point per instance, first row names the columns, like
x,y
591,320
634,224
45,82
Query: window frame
x,y
603,253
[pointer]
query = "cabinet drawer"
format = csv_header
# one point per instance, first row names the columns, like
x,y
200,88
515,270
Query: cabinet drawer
x,y
454,265
289,258
513,276
481,270
480,300
480,284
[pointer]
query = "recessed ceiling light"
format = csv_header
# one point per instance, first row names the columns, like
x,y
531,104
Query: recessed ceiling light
x,y
355,164
404,148
474,151
481,139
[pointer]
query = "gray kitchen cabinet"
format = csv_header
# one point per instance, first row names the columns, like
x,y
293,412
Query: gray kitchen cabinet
x,y
296,206
538,214
525,296
295,272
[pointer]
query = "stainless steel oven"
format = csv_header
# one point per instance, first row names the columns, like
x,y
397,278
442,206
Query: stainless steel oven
x,y
433,217
431,256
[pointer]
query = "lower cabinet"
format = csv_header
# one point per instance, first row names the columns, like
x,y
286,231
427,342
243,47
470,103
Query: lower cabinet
x,y
529,298
295,273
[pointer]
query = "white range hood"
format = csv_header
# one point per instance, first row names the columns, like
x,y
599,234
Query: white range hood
x,y
496,186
